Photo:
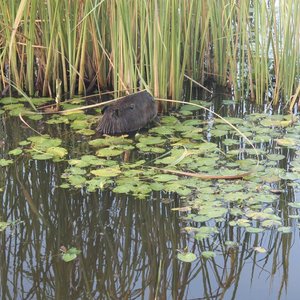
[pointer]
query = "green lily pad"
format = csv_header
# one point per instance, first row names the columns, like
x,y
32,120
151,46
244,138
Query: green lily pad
x,y
275,157
77,180
70,255
187,257
254,230
151,140
165,177
15,152
5,162
208,254
105,152
4,225
59,152
285,229
294,204
287,142
107,172
260,249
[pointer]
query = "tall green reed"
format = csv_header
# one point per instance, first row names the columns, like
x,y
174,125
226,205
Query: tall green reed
x,y
253,47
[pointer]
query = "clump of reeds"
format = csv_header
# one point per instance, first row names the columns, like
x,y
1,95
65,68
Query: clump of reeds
x,y
253,47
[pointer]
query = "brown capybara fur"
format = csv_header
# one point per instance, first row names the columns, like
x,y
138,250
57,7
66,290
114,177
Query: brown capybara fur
x,y
128,114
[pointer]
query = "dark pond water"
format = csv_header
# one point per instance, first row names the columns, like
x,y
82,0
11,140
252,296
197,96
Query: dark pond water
x,y
129,246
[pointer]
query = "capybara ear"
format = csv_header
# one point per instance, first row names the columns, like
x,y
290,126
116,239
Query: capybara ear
x,y
128,114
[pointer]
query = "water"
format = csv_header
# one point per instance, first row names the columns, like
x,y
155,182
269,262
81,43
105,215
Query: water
x,y
128,245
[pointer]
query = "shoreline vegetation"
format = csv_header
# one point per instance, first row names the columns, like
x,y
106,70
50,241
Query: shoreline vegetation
x,y
79,47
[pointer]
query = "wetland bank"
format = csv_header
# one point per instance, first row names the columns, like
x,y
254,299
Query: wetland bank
x,y
90,216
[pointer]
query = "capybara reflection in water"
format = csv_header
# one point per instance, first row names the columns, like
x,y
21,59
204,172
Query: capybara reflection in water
x,y
128,114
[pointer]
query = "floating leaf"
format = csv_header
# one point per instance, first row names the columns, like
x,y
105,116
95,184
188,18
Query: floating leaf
x,y
254,230
86,131
35,117
42,143
156,186
165,177
104,152
187,257
4,225
269,122
162,130
231,244
65,186
124,188
5,162
77,171
260,249
151,140
58,152
76,180
208,254
67,257
275,157
218,133
271,223
201,219
57,119
205,232
243,223
261,138
294,216
70,255
170,120
9,100
107,172
79,124
236,211
285,229
286,142
24,143
110,141
294,204
15,152
289,176
98,183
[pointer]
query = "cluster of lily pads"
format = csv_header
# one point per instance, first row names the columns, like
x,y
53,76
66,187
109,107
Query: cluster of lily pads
x,y
163,159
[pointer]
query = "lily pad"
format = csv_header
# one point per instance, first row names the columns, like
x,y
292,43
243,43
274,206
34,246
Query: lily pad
x,y
70,255
187,257
4,225
260,249
286,142
5,162
15,152
208,254
107,172
275,157
105,152
58,152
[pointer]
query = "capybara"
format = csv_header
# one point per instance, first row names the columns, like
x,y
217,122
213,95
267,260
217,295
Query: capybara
x,y
128,114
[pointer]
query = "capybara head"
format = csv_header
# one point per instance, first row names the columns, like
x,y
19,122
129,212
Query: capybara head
x,y
129,114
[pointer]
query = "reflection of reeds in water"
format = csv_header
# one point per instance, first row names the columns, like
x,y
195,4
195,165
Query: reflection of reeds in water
x,y
251,46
